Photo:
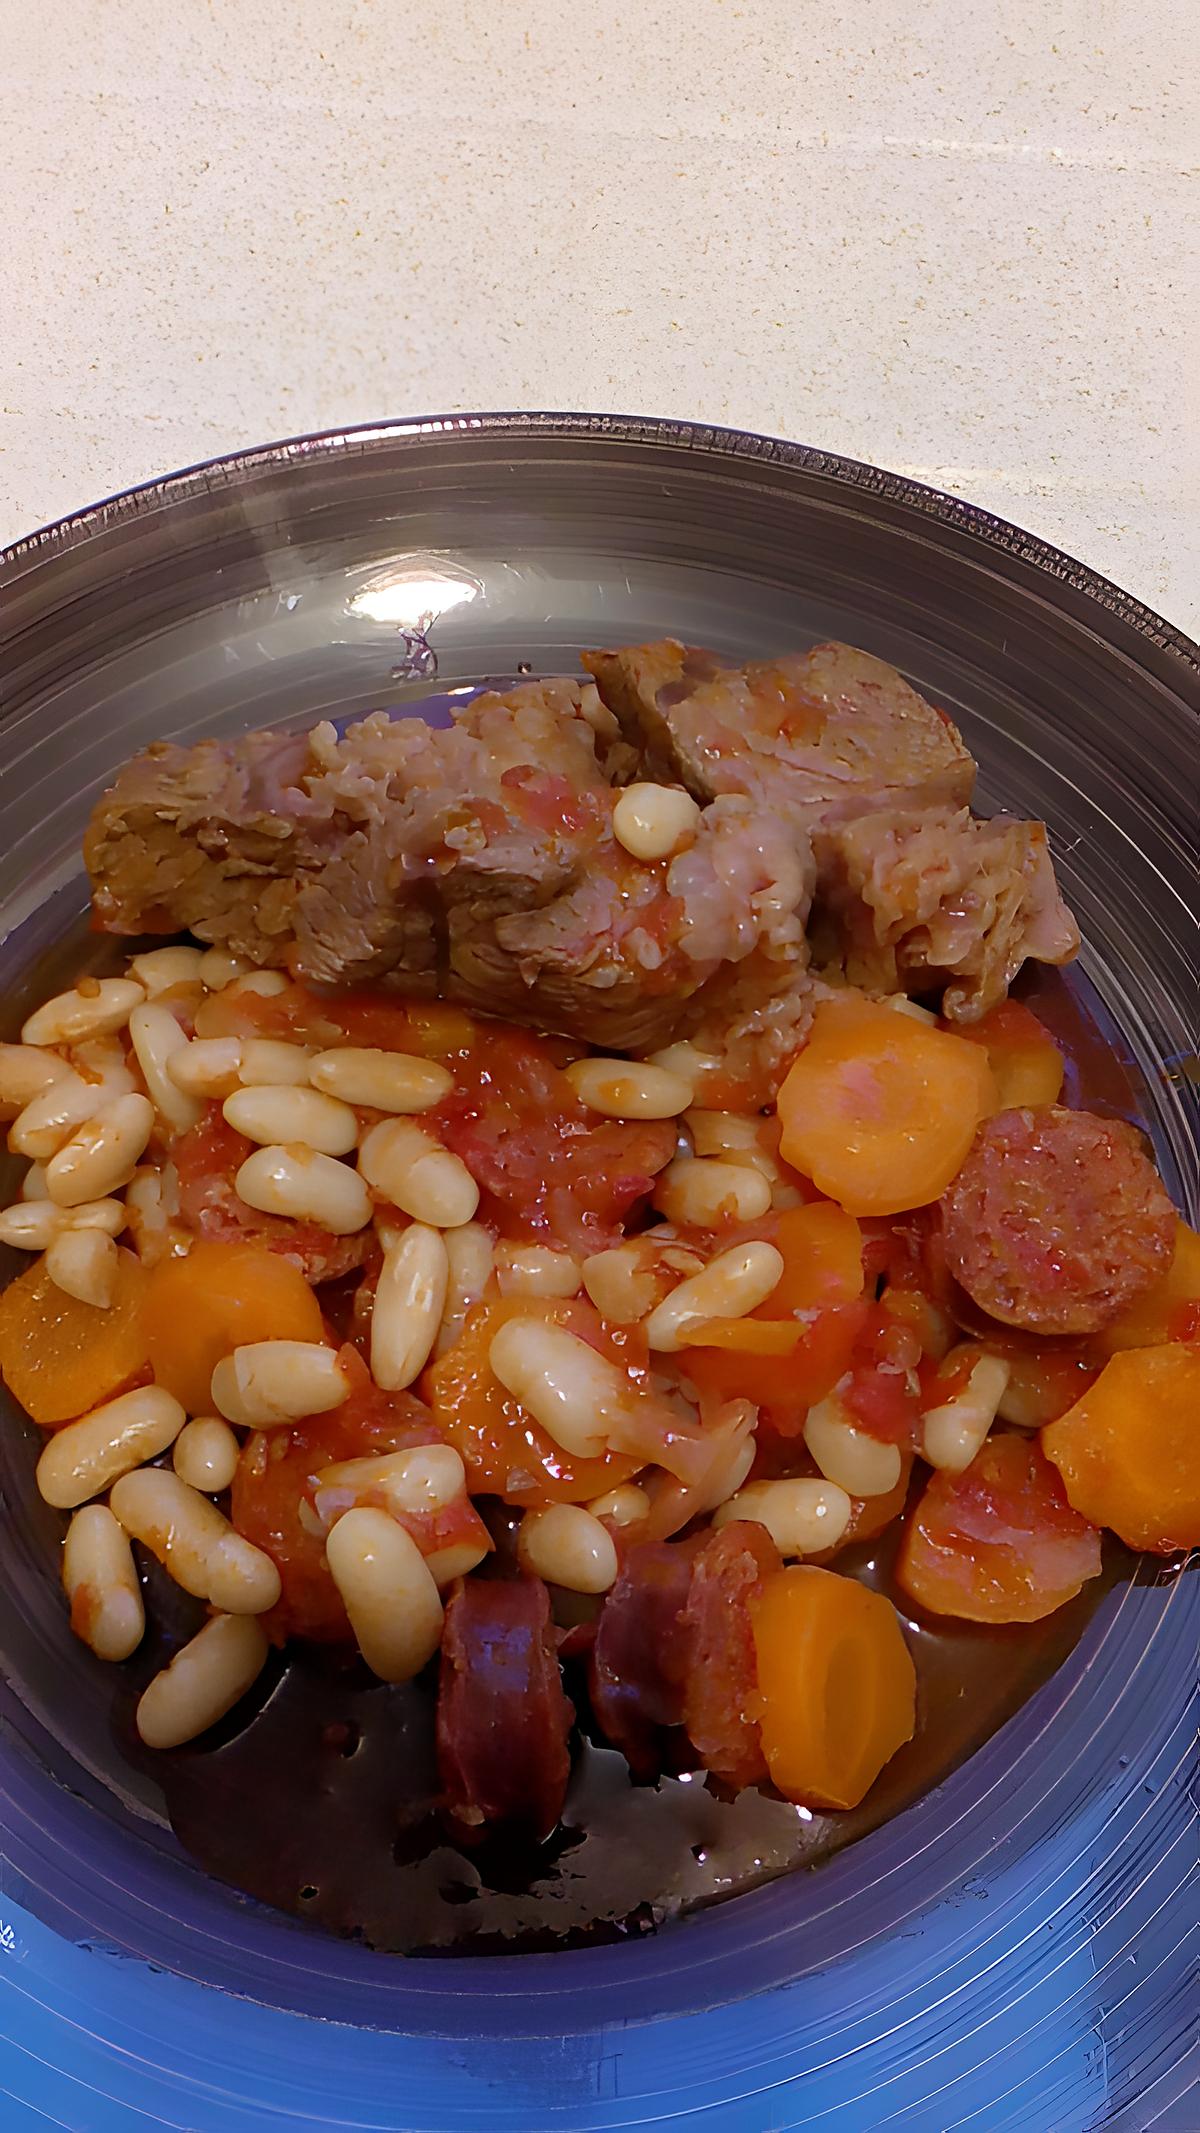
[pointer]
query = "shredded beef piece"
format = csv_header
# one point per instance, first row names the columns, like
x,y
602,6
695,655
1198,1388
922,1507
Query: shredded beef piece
x,y
477,862
912,892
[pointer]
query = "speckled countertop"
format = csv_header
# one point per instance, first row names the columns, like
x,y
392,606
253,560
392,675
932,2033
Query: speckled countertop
x,y
958,242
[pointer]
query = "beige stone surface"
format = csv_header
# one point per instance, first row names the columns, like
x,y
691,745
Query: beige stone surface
x,y
960,241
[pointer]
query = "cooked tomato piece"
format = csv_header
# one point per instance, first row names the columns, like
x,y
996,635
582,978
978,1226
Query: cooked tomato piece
x,y
881,1389
721,1703
208,1158
548,1168
998,1542
506,1453
274,1490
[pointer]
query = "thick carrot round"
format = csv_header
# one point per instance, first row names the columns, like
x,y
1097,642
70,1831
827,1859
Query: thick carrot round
x,y
58,1356
1165,1312
836,1682
1129,1450
220,1297
1026,1062
822,1250
879,1110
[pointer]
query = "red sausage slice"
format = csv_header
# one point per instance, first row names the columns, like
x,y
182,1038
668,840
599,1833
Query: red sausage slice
x,y
720,1694
1056,1220
639,1657
502,1716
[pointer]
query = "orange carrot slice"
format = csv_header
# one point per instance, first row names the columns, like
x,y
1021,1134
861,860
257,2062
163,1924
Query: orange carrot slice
x,y
1129,1450
1026,1062
221,1297
60,1357
879,1109
836,1682
822,1250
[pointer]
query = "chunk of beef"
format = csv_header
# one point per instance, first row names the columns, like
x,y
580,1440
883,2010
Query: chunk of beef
x,y
478,862
819,734
912,892
941,901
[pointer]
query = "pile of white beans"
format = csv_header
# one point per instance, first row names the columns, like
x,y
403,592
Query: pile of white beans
x,y
106,1074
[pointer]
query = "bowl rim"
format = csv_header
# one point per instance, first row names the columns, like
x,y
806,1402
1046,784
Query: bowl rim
x,y
747,447
688,1969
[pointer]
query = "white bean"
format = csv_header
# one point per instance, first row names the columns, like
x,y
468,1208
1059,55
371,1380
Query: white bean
x,y
33,1184
626,1506
955,1431
727,1476
702,1194
409,1301
96,1008
653,821
204,1681
279,1117
723,1133
195,1544
26,1072
265,983
455,1561
156,1038
32,1225
206,1454
734,1282
802,1517
161,969
269,1062
151,1201
267,1383
101,1583
692,1065
381,1081
412,1170
564,1383
217,968
103,1154
49,1120
471,1256
536,1270
859,1463
426,1479
307,1186
626,1282
86,1457
84,1263
628,1088
207,1067
904,1006
388,1591
567,1546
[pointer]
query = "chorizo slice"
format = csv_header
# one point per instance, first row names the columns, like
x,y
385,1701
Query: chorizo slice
x,y
639,1657
720,1695
1057,1220
503,1717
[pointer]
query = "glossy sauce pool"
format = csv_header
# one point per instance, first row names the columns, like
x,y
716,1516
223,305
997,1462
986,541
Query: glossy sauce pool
x,y
319,1796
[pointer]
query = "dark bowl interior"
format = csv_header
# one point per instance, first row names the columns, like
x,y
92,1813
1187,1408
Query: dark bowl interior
x,y
324,577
